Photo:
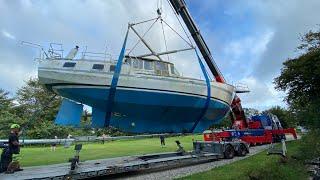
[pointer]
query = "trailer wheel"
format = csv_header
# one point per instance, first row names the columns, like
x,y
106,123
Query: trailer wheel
x,y
242,151
229,152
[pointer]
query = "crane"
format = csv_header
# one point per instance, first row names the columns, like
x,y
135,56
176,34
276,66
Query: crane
x,y
251,132
237,115
181,9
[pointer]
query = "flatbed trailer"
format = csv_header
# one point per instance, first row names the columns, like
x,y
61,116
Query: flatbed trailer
x,y
202,152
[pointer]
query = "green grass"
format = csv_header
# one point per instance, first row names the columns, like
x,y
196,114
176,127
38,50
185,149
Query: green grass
x,y
34,156
259,166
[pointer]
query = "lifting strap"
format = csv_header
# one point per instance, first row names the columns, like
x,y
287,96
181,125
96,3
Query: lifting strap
x,y
206,105
114,83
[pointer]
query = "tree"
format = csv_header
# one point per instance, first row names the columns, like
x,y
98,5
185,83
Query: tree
x,y
310,41
7,115
38,106
250,112
5,102
300,79
35,99
6,119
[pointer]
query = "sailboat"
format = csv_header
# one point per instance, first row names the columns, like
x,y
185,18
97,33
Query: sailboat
x,y
138,94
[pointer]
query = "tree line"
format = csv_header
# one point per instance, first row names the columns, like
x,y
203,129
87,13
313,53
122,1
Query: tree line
x,y
34,108
300,79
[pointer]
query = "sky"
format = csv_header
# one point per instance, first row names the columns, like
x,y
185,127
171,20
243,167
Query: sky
x,y
248,39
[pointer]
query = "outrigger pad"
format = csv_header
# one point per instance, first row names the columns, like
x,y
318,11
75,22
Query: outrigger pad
x,y
69,113
98,118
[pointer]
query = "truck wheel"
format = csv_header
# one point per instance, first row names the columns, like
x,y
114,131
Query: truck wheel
x,y
228,152
242,150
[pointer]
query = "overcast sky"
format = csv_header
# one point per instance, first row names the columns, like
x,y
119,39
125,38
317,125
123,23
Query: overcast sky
x,y
248,39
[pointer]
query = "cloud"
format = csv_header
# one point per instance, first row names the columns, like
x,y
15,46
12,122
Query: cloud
x,y
7,34
262,95
288,19
243,53
251,39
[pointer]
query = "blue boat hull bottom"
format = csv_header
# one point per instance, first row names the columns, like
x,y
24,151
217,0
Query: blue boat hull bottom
x,y
148,111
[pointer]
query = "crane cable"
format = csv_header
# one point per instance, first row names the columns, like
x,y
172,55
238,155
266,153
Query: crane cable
x,y
190,44
185,32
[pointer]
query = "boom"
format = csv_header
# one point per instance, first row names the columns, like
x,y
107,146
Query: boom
x,y
180,8
238,116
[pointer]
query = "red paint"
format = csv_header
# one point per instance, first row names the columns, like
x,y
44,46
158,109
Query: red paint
x,y
265,139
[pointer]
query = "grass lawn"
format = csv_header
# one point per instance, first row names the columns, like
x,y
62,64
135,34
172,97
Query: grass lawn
x,y
33,156
259,166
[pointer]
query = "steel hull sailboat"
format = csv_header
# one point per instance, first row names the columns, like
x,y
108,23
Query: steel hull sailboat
x,y
140,94
151,97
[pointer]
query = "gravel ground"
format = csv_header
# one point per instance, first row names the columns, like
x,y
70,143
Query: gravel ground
x,y
188,170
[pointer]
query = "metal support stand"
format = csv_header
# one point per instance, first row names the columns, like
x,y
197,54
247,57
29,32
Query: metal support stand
x,y
273,150
180,149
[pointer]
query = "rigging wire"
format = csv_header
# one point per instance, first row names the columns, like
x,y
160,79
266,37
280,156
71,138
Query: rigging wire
x,y
176,14
164,38
190,44
145,21
139,40
185,32
159,11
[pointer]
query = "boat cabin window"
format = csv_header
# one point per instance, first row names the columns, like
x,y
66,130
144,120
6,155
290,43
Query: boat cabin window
x,y
148,65
112,68
161,66
98,66
173,70
69,64
137,64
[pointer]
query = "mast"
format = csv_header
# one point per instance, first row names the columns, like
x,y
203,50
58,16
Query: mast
x,y
181,9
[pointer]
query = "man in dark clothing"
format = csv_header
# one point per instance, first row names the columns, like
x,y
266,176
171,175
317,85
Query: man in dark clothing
x,y
10,155
162,141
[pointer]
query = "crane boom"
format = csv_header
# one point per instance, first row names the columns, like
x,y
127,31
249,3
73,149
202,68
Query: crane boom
x,y
181,9
238,115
